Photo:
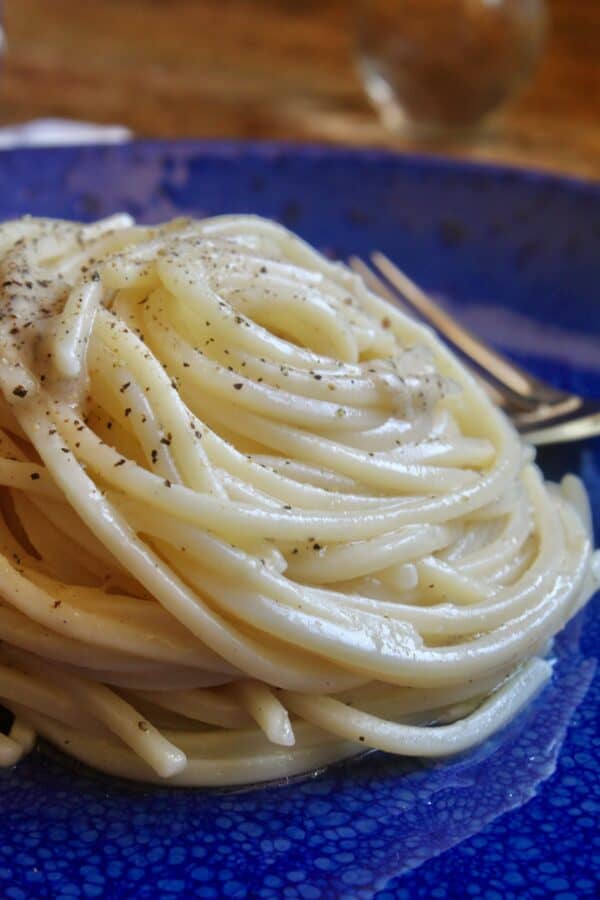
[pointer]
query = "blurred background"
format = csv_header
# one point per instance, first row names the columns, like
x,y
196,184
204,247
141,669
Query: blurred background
x,y
297,71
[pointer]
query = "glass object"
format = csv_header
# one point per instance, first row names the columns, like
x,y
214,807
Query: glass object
x,y
433,66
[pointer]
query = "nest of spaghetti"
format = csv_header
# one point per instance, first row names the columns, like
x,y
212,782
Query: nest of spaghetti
x,y
254,519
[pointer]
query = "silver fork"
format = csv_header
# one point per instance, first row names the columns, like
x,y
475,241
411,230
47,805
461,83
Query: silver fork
x,y
542,412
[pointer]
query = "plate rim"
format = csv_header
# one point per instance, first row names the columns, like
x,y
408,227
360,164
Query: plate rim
x,y
264,148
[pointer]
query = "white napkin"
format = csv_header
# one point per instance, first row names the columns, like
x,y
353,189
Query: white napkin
x,y
57,132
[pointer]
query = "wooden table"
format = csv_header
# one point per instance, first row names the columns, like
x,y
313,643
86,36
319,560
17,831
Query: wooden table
x,y
272,69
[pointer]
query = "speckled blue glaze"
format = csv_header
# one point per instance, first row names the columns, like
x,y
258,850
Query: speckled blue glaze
x,y
518,817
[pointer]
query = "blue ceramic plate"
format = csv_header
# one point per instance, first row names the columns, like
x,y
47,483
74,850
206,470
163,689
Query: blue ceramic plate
x,y
516,255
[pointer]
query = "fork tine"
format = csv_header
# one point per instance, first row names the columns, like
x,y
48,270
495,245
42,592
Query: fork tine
x,y
379,287
525,388
501,394
550,417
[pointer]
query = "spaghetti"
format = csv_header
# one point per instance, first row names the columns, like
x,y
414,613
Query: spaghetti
x,y
253,519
